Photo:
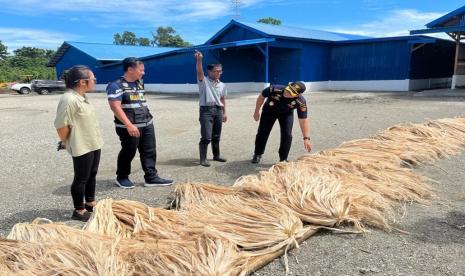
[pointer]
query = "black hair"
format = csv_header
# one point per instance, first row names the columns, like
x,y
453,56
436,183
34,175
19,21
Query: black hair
x,y
213,65
74,74
131,62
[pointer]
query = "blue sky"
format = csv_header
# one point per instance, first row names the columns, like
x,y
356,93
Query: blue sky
x,y
46,24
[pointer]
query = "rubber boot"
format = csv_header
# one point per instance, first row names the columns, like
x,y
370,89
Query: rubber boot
x,y
216,152
203,155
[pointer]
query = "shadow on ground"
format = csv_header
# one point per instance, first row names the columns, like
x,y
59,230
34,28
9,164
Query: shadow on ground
x,y
447,230
28,216
235,169
100,186
183,162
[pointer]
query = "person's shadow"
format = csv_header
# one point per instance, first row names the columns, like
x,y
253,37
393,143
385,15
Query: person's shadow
x,y
28,216
182,162
236,169
102,185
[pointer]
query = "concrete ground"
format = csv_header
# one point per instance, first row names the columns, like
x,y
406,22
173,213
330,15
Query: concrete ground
x,y
35,179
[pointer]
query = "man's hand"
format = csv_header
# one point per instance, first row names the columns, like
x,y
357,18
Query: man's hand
x,y
256,116
133,131
307,145
225,118
198,55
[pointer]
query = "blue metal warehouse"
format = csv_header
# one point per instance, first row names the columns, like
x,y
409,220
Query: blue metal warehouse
x,y
255,54
453,24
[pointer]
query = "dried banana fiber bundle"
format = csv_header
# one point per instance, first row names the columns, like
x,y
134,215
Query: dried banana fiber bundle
x,y
193,193
61,257
424,143
141,256
255,225
132,219
321,198
454,128
41,230
205,256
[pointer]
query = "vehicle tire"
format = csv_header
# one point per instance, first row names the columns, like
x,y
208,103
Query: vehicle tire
x,y
24,90
44,91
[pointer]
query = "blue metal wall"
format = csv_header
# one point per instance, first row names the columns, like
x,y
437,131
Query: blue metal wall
x,y
385,60
242,65
310,64
75,57
434,60
235,33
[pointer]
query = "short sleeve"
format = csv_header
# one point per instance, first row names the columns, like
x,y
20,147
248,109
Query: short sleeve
x,y
202,84
224,93
63,116
266,92
114,92
301,107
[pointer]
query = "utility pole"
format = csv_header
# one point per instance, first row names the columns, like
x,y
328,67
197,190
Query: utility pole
x,y
236,5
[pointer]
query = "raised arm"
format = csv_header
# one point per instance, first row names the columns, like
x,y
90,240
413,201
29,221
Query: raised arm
x,y
198,65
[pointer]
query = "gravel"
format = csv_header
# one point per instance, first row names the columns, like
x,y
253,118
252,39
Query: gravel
x,y
35,179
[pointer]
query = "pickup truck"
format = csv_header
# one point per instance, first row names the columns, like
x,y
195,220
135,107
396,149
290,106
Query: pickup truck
x,y
44,87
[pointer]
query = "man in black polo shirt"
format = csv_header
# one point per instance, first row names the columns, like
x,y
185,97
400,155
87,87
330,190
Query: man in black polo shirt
x,y
134,125
280,104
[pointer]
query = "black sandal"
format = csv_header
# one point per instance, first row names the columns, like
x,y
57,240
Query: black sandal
x,y
82,217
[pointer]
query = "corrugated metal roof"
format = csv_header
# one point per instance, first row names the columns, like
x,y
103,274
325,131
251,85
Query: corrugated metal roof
x,y
453,15
102,51
300,33
108,52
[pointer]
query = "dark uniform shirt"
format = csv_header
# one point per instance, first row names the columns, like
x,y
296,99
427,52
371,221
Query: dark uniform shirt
x,y
133,103
276,102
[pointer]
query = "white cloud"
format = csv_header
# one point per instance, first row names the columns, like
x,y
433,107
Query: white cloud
x,y
115,12
15,38
395,23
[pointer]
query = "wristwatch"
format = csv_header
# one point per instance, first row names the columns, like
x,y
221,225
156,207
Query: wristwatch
x,y
307,138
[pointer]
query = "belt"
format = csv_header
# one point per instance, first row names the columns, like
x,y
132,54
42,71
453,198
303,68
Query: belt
x,y
136,125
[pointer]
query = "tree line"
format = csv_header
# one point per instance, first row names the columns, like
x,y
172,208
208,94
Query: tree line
x,y
25,63
30,63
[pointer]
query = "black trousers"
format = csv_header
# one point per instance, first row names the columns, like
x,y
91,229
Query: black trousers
x,y
211,122
85,172
145,143
267,120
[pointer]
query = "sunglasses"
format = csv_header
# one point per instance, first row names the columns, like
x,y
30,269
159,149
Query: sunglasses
x,y
94,79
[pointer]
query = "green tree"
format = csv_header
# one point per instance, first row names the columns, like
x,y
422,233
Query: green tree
x,y
129,38
269,20
143,41
27,61
31,52
167,37
3,51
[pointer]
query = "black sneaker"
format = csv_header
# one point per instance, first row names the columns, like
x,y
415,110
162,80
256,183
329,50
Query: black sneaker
x,y
124,183
283,160
157,182
84,217
256,158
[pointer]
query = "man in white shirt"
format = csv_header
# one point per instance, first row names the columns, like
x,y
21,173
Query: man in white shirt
x,y
212,93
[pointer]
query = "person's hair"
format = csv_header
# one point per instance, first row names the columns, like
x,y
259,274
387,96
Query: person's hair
x,y
74,74
131,62
213,65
